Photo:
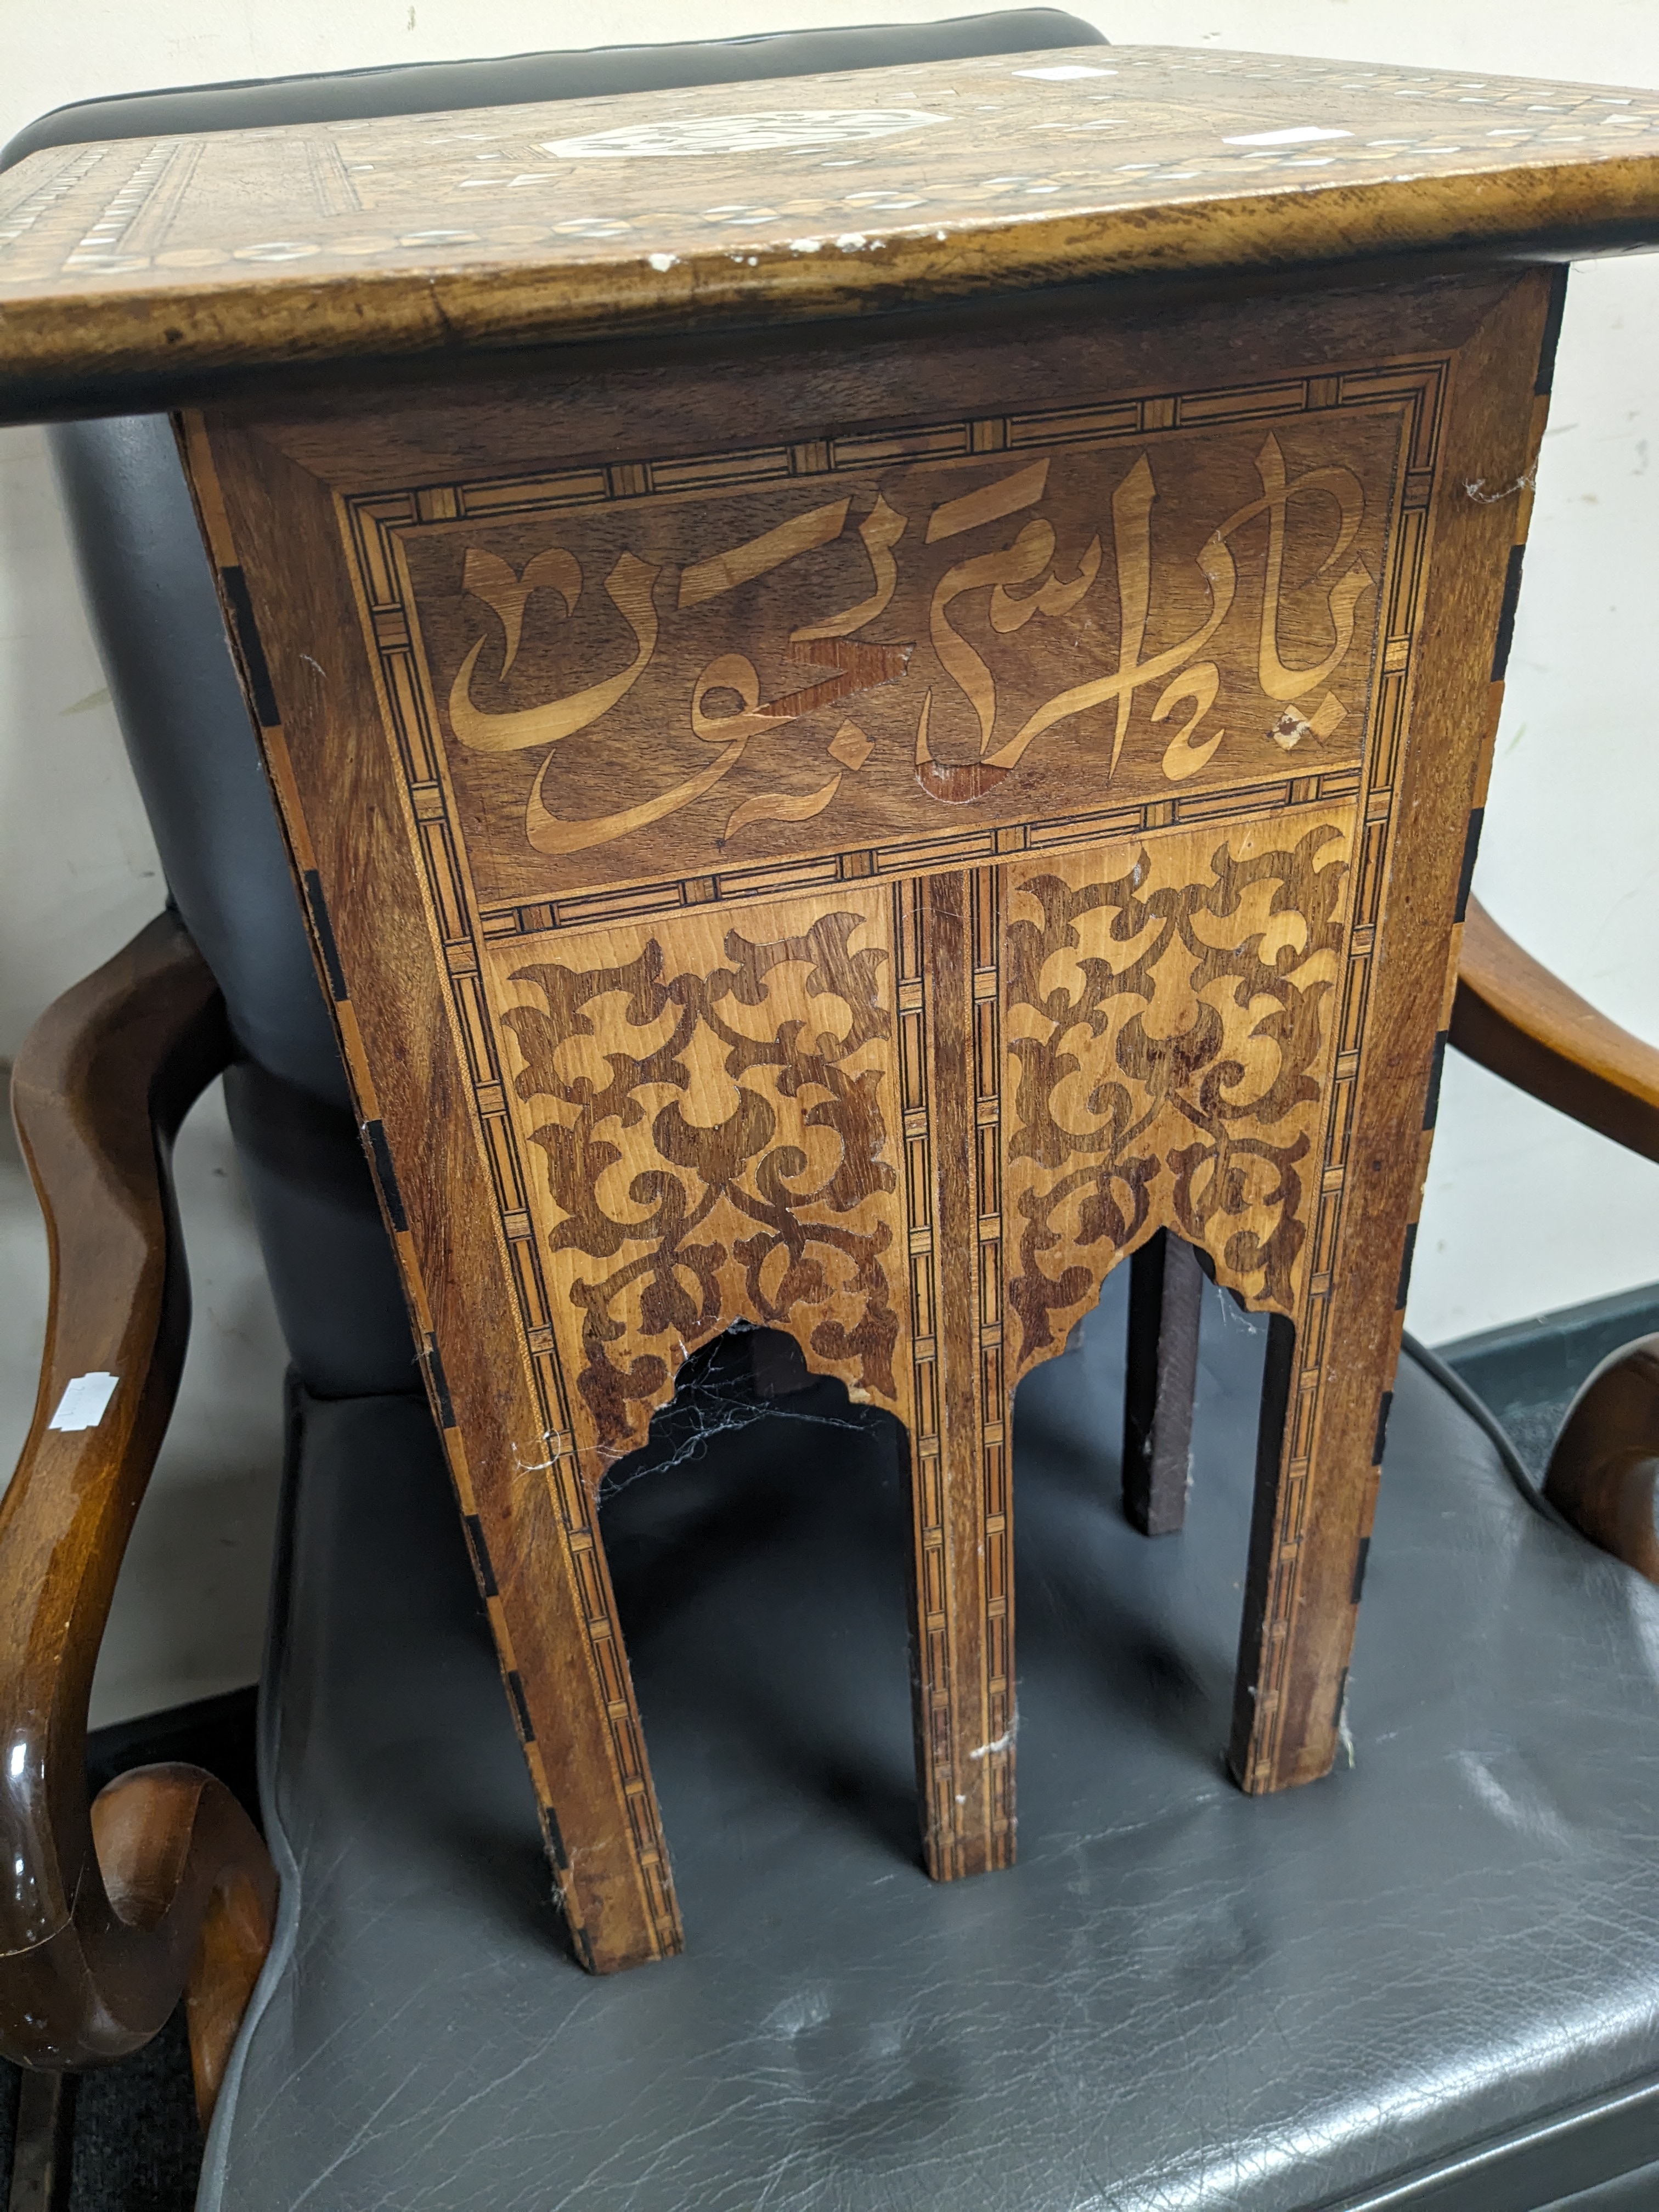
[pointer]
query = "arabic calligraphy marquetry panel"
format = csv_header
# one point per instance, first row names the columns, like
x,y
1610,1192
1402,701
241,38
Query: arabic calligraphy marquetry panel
x,y
709,1126
1170,1023
657,685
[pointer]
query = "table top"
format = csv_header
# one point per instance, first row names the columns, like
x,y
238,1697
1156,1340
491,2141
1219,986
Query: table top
x,y
174,261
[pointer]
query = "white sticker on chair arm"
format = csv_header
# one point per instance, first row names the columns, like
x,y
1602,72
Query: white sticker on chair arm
x,y
84,1402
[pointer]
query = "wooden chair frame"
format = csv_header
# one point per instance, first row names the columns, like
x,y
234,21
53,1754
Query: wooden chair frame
x,y
161,1887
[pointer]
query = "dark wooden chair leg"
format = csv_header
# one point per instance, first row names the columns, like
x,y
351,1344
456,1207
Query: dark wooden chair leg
x,y
40,2147
778,1365
1166,1288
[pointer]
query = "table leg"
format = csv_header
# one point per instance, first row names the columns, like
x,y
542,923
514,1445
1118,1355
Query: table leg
x,y
1166,1288
962,1580
1326,1396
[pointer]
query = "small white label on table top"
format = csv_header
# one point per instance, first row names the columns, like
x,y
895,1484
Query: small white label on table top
x,y
1299,134
84,1402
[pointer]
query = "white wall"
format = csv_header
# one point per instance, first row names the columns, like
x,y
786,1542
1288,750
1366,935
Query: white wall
x,y
1524,1211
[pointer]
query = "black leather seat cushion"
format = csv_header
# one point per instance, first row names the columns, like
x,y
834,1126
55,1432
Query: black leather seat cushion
x,y
502,80
1180,1998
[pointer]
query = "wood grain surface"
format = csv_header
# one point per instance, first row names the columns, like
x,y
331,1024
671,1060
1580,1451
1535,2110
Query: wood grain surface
x,y
1027,777
1512,1015
1166,1303
1316,1482
276,250
162,1887
1603,1471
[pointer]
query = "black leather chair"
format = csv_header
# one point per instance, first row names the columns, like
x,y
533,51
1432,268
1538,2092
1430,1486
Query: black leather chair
x,y
1433,1980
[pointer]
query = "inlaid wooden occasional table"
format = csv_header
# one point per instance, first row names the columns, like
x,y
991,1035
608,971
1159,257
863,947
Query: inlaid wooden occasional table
x,y
880,688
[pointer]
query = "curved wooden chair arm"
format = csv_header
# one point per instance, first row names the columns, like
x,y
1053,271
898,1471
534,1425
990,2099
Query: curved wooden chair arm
x,y
1514,1017
108,1912
1524,1024
1603,1473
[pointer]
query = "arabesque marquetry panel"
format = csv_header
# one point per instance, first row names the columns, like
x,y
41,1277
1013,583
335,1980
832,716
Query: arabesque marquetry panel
x,y
710,1130
1172,1007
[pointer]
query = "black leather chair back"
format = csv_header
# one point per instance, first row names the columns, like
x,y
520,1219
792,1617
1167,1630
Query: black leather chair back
x,y
151,598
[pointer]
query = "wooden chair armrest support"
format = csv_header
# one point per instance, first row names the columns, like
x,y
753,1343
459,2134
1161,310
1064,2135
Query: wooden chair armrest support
x,y
107,1912
1524,1024
1603,1473
1514,1017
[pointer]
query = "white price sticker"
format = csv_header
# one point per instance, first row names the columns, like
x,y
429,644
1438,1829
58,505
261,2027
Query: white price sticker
x,y
84,1402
